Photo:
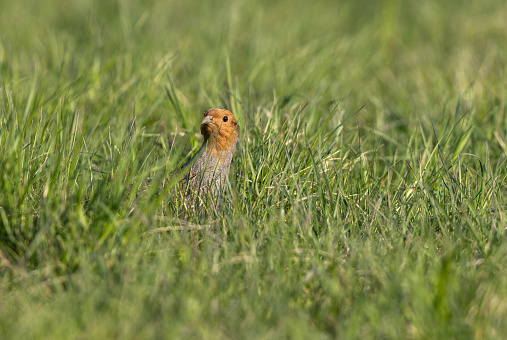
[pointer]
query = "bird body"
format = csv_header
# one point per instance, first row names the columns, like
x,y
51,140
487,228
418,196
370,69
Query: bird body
x,y
209,168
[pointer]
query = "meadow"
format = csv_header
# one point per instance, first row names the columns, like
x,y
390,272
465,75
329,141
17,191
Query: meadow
x,y
367,198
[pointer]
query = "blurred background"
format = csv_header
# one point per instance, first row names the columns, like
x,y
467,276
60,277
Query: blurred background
x,y
404,59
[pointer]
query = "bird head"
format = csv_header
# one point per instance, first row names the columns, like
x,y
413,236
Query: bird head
x,y
220,130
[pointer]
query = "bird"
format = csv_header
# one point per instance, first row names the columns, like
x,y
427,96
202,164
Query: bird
x,y
207,171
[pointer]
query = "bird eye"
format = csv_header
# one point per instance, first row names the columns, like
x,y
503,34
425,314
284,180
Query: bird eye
x,y
225,119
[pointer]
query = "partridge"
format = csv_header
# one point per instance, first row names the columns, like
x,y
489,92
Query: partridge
x,y
209,168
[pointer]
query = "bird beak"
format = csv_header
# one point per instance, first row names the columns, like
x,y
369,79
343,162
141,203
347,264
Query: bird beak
x,y
208,120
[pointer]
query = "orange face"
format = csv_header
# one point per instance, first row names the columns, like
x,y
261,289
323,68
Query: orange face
x,y
220,127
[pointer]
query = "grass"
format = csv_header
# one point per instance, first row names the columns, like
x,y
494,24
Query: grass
x,y
367,198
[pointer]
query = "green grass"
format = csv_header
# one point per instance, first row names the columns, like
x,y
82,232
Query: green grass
x,y
368,197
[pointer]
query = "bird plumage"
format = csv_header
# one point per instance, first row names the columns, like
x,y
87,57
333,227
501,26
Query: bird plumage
x,y
209,168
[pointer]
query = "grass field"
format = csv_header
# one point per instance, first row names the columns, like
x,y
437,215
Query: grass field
x,y
368,197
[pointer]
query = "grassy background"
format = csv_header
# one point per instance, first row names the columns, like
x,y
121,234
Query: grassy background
x,y
367,197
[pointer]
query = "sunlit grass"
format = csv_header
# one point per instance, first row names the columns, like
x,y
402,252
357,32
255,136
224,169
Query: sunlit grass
x,y
367,197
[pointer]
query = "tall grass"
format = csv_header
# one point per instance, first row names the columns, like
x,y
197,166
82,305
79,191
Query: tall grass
x,y
366,200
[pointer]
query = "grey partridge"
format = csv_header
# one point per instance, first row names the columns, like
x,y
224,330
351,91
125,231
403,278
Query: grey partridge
x,y
209,168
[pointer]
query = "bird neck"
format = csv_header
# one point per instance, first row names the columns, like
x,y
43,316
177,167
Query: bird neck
x,y
220,147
